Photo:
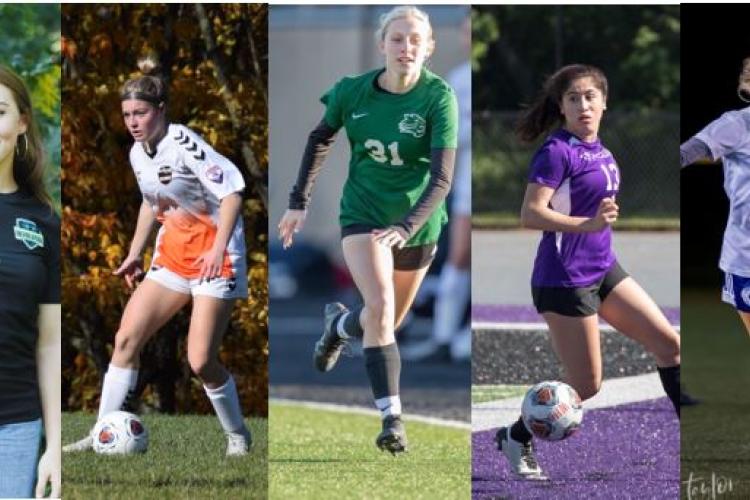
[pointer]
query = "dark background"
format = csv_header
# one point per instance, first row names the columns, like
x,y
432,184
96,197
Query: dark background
x,y
714,40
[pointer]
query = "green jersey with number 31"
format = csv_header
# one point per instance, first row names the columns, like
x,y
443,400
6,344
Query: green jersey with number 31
x,y
391,136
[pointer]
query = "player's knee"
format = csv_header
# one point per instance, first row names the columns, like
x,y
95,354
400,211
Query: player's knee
x,y
127,342
379,313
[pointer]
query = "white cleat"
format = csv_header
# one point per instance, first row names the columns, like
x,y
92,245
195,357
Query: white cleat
x,y
84,444
239,443
520,456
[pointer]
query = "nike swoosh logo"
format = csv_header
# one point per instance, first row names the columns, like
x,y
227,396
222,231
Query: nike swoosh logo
x,y
356,116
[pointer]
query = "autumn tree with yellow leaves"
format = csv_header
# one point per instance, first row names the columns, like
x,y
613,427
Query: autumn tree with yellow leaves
x,y
214,58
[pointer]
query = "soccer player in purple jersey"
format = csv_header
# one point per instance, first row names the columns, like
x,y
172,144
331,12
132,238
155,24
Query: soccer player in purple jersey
x,y
728,139
573,184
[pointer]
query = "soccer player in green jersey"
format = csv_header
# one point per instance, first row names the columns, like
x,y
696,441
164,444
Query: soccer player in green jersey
x,y
401,121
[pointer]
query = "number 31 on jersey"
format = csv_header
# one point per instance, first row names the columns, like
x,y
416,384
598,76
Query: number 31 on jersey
x,y
377,152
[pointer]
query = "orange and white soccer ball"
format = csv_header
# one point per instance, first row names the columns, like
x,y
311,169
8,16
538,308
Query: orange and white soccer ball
x,y
120,433
552,410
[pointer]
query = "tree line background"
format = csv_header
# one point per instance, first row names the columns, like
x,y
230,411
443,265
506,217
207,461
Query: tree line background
x,y
31,47
515,48
214,58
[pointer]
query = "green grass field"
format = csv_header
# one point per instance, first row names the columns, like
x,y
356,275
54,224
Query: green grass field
x,y
716,369
485,393
185,460
317,454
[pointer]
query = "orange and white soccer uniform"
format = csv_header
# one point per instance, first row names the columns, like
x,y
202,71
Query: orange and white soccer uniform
x,y
183,182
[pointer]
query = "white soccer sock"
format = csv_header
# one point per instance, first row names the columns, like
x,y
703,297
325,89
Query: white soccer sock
x,y
454,292
226,403
389,405
117,383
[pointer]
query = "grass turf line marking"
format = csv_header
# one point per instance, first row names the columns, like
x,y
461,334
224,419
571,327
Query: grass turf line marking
x,y
358,410
614,392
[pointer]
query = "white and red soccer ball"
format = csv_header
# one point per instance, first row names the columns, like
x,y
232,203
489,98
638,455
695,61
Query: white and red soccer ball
x,y
552,410
120,433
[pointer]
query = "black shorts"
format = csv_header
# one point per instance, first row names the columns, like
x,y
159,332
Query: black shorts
x,y
582,301
404,259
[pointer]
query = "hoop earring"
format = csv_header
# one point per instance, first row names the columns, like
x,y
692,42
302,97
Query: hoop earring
x,y
743,94
25,147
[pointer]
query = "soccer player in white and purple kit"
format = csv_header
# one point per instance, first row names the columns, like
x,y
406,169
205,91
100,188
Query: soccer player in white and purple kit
x,y
573,183
728,139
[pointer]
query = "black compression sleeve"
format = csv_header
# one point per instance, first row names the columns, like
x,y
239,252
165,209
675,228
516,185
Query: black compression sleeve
x,y
694,150
441,176
318,145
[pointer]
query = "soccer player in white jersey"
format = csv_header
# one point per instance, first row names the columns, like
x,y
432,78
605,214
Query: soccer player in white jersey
x,y
194,193
728,139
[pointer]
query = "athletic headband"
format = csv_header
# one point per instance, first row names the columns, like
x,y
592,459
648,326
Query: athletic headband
x,y
141,96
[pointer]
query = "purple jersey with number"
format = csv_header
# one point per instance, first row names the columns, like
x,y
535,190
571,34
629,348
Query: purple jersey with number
x,y
582,174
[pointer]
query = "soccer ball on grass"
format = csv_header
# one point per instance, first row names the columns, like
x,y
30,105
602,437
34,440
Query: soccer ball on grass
x,y
120,433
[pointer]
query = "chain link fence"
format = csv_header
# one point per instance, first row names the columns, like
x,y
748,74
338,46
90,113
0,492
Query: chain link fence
x,y
645,145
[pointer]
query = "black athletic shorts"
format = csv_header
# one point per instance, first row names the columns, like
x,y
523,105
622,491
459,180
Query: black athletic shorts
x,y
583,301
404,259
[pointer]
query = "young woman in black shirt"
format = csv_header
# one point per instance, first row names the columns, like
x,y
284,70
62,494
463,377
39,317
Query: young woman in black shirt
x,y
30,328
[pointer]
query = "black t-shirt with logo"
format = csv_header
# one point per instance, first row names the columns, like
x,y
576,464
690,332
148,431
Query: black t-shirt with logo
x,y
29,276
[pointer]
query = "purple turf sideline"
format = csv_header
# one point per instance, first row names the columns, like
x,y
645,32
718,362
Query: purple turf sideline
x,y
627,451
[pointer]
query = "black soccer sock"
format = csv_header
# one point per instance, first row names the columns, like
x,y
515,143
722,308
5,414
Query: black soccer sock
x,y
670,380
383,366
352,326
519,432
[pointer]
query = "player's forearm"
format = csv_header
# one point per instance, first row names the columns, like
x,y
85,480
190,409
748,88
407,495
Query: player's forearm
x,y
546,219
694,150
318,146
143,228
229,210
49,373
442,162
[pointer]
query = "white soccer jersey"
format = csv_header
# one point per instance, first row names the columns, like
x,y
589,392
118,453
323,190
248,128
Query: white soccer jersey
x,y
184,181
728,138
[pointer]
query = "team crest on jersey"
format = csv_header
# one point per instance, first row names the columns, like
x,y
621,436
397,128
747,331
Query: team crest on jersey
x,y
27,233
412,124
215,174
165,174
